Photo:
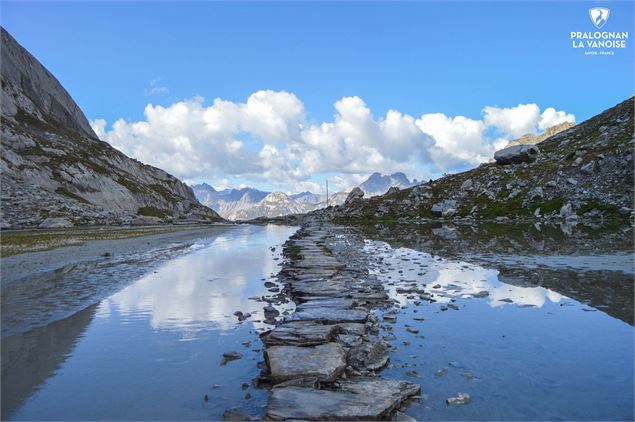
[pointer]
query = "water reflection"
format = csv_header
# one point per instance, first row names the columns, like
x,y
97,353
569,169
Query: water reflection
x,y
408,273
202,289
516,338
152,350
29,359
593,265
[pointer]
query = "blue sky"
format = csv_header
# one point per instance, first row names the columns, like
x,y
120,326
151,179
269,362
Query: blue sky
x,y
418,58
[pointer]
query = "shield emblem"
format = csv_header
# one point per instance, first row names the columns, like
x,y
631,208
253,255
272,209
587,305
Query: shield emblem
x,y
599,16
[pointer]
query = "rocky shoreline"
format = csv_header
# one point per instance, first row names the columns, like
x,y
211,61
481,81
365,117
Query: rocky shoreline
x,y
323,361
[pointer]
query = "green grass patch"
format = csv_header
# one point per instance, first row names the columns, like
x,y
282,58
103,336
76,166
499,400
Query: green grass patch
x,y
69,194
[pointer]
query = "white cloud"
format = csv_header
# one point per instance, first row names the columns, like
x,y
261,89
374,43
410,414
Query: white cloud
x,y
523,119
551,117
156,88
268,140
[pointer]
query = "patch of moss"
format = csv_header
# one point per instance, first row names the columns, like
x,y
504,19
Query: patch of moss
x,y
551,205
164,192
154,212
606,209
131,185
69,194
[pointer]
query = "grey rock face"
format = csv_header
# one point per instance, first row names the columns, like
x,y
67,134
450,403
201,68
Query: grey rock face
x,y
54,167
517,154
28,87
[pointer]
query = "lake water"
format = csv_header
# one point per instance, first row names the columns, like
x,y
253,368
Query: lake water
x,y
529,333
536,336
153,350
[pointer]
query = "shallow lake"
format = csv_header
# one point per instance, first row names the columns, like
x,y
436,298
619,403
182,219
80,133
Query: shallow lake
x,y
153,350
540,330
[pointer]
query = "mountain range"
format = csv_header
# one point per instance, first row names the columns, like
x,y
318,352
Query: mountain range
x,y
250,203
55,172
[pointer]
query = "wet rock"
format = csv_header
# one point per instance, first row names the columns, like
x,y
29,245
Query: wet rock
x,y
325,362
301,333
352,328
460,399
441,372
482,293
402,417
327,315
229,356
412,330
370,356
236,415
517,154
306,382
348,340
361,400
270,312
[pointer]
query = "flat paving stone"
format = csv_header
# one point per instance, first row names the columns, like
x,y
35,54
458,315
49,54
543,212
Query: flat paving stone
x,y
301,333
357,400
325,362
330,315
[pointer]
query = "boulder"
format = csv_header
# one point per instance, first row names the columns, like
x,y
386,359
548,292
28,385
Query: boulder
x,y
420,193
446,208
355,195
393,189
517,154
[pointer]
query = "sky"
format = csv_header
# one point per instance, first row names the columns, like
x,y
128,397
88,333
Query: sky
x,y
283,95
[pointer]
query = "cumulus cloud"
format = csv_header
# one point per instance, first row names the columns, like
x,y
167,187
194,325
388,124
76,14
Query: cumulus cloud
x,y
523,119
268,139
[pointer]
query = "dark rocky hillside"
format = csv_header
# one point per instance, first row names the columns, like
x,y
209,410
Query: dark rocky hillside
x,y
56,173
583,172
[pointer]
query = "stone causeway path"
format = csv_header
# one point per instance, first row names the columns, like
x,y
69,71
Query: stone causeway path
x,y
323,361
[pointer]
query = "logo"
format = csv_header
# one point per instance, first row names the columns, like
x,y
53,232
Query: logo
x,y
599,16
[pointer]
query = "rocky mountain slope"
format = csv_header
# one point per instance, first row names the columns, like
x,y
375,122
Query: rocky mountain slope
x,y
273,205
531,139
57,173
227,201
249,203
378,184
584,171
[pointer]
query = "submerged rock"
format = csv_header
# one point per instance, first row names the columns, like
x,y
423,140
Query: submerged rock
x,y
229,356
361,400
461,398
